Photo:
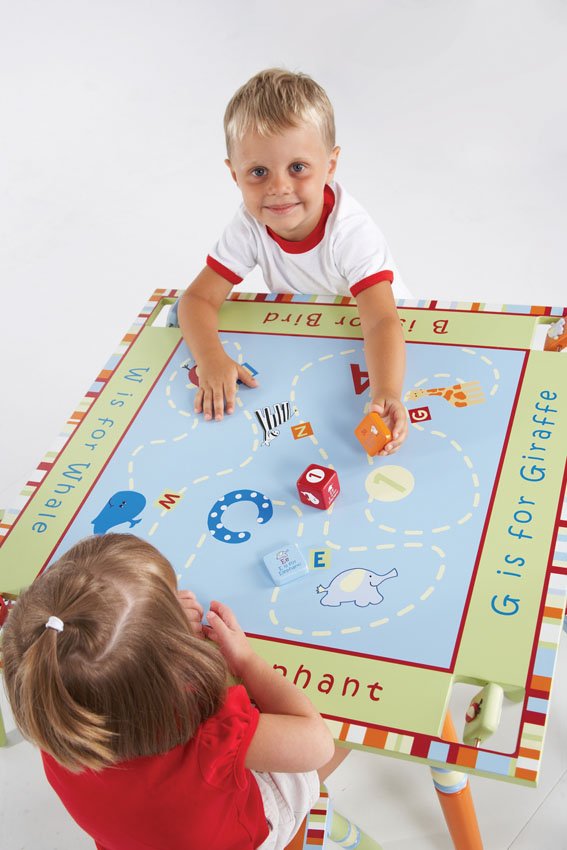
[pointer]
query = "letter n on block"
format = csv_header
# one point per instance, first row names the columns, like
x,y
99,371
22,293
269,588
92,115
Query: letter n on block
x,y
304,429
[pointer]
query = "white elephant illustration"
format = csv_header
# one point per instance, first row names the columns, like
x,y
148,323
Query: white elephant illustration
x,y
357,585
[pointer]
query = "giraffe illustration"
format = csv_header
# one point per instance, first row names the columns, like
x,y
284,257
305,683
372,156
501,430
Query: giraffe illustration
x,y
459,395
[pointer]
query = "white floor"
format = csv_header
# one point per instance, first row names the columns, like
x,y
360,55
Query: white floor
x,y
452,121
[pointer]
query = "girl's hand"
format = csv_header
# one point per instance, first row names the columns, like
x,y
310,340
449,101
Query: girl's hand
x,y
231,640
193,610
394,414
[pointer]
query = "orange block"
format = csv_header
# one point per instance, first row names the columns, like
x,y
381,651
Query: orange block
x,y
372,433
302,430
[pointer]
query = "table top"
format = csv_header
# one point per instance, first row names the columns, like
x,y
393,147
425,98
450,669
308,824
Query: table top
x,y
443,564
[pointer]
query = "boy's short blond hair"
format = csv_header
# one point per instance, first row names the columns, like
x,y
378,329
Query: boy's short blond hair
x,y
274,100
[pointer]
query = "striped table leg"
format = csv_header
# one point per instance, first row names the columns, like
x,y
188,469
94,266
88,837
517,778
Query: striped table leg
x,y
455,796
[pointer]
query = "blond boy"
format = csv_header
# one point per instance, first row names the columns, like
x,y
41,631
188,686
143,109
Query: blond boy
x,y
306,234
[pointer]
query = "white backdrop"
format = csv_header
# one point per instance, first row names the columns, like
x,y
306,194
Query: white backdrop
x,y
451,115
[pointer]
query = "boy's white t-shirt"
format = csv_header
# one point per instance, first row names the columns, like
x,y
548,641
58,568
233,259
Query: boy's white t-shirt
x,y
345,254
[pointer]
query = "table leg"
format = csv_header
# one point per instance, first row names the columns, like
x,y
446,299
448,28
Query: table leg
x,y
455,796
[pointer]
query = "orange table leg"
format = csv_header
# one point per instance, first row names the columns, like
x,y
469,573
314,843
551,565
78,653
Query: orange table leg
x,y
455,796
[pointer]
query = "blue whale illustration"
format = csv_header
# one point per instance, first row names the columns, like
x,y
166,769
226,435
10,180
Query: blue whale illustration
x,y
122,507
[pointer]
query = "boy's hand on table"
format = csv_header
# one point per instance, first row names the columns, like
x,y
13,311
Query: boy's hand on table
x,y
217,386
192,609
394,414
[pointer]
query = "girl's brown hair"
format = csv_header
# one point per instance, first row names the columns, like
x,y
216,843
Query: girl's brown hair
x,y
126,677
274,100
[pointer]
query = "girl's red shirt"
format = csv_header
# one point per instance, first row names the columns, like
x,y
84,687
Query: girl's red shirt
x,y
198,794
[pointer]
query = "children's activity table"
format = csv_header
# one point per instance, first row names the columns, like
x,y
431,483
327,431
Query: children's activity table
x,y
441,565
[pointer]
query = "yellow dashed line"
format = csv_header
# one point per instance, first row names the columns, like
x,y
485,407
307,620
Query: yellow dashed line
x,y
368,515
225,472
275,594
247,414
131,484
202,539
412,532
293,631
174,376
351,631
277,502
427,593
418,427
386,546
307,366
486,360
439,433
413,545
405,610
180,437
131,467
273,617
349,351
456,446
172,404
468,461
475,479
382,622
438,551
255,445
137,451
153,529
358,548
464,519
326,528
323,454
440,529
326,357
387,528
157,442
321,634
476,500
190,560
195,421
297,510
494,389
300,530
496,374
168,391
332,545
440,572
246,462
202,478
295,380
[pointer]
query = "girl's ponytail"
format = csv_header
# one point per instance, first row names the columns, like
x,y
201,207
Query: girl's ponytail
x,y
45,711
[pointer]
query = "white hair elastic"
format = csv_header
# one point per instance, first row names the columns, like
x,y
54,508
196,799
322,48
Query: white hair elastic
x,y
55,623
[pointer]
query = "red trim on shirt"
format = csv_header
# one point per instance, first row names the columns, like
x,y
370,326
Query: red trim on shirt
x,y
228,275
372,280
303,245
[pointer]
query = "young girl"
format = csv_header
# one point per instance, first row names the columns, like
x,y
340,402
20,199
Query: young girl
x,y
142,737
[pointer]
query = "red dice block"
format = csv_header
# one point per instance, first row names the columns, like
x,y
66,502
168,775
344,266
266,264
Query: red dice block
x,y
318,486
